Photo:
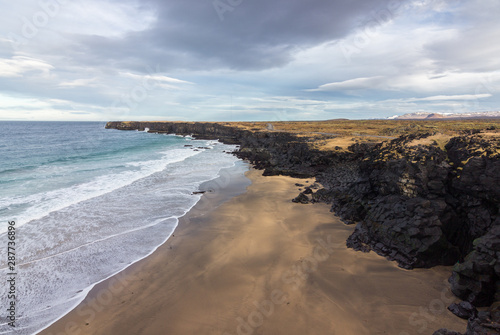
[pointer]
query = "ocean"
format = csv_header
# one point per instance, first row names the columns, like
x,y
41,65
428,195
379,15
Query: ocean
x,y
84,203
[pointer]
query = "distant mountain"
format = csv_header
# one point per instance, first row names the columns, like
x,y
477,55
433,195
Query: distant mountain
x,y
435,116
447,116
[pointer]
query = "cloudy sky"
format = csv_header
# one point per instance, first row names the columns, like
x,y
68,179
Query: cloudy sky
x,y
247,59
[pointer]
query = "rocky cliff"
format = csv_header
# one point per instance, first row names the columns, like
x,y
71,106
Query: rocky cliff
x,y
414,201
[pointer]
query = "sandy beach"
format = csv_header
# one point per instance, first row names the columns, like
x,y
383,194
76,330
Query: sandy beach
x,y
260,264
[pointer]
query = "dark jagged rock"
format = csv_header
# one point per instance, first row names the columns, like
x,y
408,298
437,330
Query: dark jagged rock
x,y
417,204
301,198
315,186
477,278
322,195
443,331
486,323
397,196
308,190
483,323
463,310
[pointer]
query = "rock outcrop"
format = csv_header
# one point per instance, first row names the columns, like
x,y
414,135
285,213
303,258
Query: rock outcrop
x,y
464,310
477,278
484,323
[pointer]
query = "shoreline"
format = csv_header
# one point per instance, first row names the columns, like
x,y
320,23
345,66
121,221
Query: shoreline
x,y
215,192
259,263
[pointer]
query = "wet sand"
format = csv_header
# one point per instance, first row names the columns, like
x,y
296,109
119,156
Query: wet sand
x,y
260,264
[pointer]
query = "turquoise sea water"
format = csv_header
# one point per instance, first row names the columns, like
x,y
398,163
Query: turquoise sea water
x,y
87,203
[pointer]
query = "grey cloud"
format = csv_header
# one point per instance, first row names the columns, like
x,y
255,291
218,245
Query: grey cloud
x,y
255,35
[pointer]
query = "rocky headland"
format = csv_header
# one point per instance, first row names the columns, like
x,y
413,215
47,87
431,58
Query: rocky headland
x,y
419,199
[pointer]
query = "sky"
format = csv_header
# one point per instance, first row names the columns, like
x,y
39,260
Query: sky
x,y
247,60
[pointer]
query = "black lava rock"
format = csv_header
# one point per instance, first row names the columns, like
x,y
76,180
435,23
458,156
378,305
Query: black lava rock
x,y
463,310
301,198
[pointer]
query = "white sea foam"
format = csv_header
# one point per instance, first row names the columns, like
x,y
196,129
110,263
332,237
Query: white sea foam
x,y
41,204
101,227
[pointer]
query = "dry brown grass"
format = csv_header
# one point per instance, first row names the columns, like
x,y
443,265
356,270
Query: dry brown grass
x,y
340,134
438,139
372,127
